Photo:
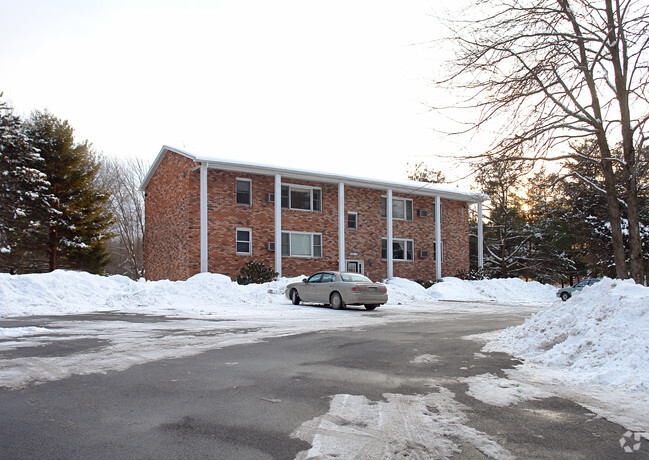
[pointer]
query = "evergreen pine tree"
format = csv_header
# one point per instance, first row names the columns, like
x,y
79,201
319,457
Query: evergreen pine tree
x,y
78,220
23,195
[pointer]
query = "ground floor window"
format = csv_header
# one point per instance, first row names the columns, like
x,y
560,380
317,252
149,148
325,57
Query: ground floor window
x,y
301,244
401,249
244,239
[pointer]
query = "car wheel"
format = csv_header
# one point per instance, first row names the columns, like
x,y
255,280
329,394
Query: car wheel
x,y
370,307
336,301
295,297
565,296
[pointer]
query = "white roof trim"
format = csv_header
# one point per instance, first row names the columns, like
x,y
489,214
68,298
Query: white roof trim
x,y
415,188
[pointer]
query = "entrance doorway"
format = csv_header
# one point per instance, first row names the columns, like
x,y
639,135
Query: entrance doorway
x,y
356,266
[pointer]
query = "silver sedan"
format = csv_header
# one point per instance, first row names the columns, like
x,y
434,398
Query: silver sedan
x,y
338,289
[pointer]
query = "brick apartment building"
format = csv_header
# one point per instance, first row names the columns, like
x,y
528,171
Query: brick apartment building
x,y
209,215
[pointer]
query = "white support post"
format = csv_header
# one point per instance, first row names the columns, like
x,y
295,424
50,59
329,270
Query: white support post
x,y
480,238
341,226
438,238
203,217
390,244
278,224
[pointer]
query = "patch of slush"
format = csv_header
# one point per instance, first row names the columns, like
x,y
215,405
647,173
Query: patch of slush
x,y
402,426
496,391
425,359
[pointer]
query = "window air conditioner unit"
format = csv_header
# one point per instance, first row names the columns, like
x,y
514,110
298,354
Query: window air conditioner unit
x,y
423,254
271,197
422,213
271,246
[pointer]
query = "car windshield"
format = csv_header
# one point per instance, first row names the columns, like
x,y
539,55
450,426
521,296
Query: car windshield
x,y
354,277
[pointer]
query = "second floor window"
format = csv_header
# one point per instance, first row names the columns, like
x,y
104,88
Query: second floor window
x,y
352,220
401,208
244,188
301,197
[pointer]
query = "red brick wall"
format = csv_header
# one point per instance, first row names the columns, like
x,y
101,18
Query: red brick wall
x,y
172,220
172,238
366,240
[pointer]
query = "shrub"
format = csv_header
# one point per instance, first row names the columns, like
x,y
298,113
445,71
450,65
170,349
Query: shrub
x,y
255,273
471,275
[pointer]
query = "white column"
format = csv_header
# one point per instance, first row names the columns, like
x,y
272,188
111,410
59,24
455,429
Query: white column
x,y
341,226
480,237
203,212
278,224
438,238
390,254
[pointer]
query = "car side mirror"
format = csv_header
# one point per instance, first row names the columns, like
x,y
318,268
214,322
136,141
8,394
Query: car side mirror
x,y
304,280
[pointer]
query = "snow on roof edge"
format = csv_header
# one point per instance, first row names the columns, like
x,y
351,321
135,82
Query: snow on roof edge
x,y
417,188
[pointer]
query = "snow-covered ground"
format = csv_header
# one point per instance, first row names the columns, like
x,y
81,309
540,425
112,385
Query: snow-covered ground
x,y
593,349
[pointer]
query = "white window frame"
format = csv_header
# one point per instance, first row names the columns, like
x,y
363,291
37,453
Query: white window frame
x,y
405,242
397,199
236,193
310,188
313,245
355,214
237,241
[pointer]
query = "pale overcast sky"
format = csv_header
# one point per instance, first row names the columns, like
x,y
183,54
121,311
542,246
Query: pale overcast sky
x,y
337,85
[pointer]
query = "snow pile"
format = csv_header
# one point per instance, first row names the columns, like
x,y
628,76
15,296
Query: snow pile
x,y
496,290
60,292
67,292
598,337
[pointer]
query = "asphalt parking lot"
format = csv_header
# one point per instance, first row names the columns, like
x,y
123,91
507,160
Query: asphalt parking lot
x,y
397,389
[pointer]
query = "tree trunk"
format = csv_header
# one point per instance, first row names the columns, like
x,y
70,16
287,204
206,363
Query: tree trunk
x,y
617,240
52,248
620,64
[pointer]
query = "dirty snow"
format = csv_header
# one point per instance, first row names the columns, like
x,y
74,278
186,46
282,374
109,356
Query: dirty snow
x,y
496,391
401,426
593,349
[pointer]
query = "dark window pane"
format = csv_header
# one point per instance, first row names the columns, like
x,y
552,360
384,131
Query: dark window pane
x,y
317,200
243,192
317,246
351,220
286,244
384,207
284,196
300,198
398,250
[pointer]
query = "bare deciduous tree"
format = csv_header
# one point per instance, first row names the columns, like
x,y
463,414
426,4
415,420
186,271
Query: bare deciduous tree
x,y
122,179
554,73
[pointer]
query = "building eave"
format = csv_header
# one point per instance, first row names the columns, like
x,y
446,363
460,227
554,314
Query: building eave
x,y
414,188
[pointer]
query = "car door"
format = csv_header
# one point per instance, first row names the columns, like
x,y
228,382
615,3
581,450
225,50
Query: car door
x,y
308,290
324,288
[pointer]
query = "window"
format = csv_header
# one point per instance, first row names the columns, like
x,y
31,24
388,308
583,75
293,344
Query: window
x,y
244,187
301,197
244,240
441,254
300,244
352,220
401,249
401,208
328,278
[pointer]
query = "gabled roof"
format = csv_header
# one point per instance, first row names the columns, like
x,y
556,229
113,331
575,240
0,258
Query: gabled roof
x,y
411,187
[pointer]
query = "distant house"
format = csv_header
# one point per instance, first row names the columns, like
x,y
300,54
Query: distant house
x,y
210,215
